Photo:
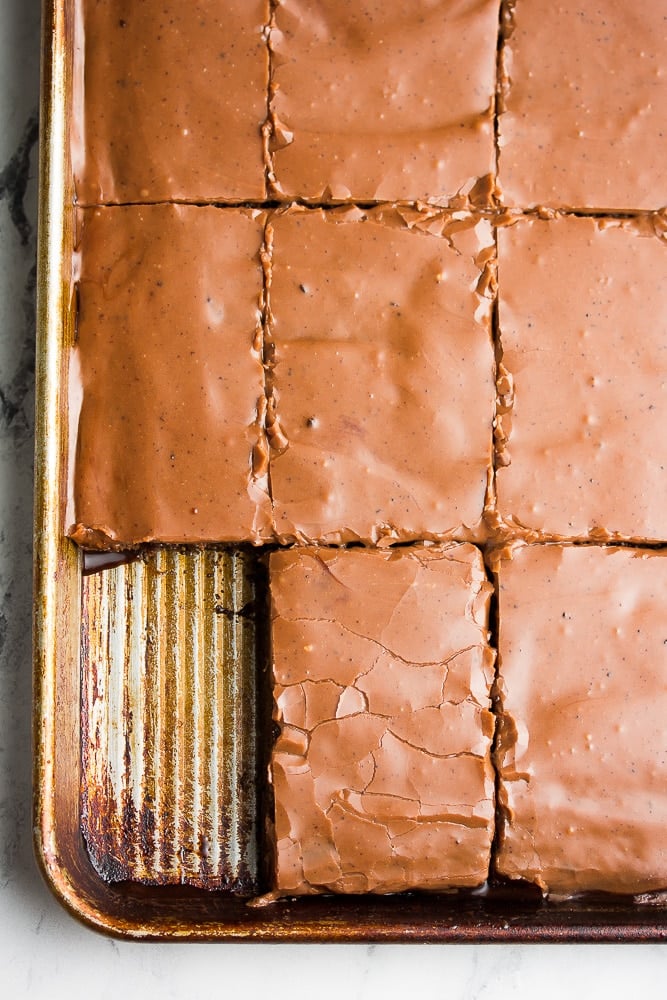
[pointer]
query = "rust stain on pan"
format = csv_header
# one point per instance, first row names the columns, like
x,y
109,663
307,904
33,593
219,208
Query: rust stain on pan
x,y
168,747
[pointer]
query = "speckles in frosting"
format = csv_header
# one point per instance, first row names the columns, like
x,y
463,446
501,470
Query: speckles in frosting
x,y
156,123
382,675
584,102
582,382
399,100
170,437
581,746
382,373
362,410
359,323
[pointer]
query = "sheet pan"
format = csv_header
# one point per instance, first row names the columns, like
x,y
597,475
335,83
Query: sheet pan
x,y
152,702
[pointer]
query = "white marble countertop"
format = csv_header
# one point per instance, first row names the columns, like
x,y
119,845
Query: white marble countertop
x,y
45,952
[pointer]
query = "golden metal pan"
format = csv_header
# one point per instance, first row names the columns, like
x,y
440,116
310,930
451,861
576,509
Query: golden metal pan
x,y
152,704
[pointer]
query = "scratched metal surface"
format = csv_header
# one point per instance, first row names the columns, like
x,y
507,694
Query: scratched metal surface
x,y
168,720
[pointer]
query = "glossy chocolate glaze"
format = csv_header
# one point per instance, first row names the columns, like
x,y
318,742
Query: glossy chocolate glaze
x,y
357,404
583,313
382,771
156,124
583,682
168,349
382,374
377,101
585,105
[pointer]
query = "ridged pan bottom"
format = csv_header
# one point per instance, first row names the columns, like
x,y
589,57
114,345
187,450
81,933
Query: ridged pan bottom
x,y
171,708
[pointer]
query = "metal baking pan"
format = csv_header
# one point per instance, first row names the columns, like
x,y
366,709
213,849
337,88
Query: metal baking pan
x,y
152,723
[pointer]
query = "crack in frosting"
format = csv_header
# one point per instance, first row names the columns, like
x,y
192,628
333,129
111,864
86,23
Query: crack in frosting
x,y
382,774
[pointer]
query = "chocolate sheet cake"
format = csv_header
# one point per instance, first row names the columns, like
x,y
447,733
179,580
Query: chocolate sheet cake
x,y
169,354
382,286
583,323
581,748
377,101
382,771
382,374
583,101
158,123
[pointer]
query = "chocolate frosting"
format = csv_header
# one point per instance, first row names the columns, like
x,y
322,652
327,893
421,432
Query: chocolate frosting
x,y
304,375
424,128
153,122
382,373
382,668
583,314
585,105
581,749
168,357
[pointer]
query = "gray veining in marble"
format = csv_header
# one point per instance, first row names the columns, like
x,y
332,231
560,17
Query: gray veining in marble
x,y
19,880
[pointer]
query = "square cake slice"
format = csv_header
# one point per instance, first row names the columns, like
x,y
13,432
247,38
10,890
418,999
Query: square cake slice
x,y
583,327
171,100
168,375
382,374
377,101
585,105
382,672
582,735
